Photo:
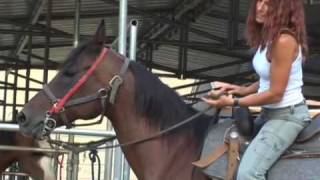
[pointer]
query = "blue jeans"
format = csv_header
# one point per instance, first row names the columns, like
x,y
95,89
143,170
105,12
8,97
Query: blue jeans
x,y
277,134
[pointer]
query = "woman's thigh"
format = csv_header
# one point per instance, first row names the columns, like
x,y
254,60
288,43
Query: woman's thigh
x,y
272,140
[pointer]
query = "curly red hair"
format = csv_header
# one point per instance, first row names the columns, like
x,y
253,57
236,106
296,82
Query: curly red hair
x,y
282,15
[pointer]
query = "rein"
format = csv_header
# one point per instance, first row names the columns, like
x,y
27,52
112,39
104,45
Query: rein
x,y
95,145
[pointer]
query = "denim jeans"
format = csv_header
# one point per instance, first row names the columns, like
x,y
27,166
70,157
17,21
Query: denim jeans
x,y
280,130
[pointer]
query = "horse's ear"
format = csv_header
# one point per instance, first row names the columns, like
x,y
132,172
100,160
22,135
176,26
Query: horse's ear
x,y
100,34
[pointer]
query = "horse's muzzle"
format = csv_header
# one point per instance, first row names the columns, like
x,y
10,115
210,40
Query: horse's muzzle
x,y
30,128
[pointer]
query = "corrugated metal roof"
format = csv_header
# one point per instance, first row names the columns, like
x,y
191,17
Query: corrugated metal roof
x,y
208,38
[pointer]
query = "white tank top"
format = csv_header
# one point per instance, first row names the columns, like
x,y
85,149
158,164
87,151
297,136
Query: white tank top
x,y
293,93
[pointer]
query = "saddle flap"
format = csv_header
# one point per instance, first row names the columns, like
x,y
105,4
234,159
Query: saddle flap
x,y
216,154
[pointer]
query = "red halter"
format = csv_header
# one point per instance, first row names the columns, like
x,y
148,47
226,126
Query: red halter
x,y
59,106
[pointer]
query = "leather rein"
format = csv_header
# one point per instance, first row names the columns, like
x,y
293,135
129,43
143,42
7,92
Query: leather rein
x,y
105,95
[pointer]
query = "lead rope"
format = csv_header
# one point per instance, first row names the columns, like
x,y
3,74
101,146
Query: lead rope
x,y
93,156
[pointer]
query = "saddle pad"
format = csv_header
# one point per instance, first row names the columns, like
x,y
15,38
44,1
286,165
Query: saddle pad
x,y
295,169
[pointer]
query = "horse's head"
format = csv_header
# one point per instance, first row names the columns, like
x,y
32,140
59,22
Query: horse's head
x,y
62,100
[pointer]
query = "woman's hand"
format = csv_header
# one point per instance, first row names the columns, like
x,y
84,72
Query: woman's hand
x,y
221,101
229,88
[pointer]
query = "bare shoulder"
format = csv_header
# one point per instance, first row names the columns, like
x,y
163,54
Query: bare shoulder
x,y
287,41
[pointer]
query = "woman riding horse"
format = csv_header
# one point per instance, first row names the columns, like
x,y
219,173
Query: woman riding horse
x,y
276,29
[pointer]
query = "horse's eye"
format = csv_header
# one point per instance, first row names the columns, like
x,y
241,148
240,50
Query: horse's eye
x,y
69,73
87,68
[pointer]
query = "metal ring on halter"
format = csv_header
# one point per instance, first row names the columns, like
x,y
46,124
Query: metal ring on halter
x,y
103,93
49,125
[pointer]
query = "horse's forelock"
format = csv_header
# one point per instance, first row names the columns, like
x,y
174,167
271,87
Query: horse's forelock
x,y
91,49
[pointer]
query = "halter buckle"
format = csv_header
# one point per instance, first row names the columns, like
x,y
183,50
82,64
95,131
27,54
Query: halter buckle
x,y
115,84
49,125
116,80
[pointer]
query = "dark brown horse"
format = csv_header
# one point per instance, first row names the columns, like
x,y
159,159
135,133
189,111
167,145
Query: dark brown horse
x,y
37,165
143,106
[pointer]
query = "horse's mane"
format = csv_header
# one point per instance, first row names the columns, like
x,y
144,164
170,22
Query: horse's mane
x,y
161,105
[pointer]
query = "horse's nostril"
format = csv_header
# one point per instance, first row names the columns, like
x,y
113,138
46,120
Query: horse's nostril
x,y
21,118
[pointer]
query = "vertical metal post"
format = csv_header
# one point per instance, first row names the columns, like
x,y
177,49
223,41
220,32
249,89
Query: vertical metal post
x,y
15,92
73,159
133,39
123,27
149,55
47,47
5,90
183,50
233,25
77,23
108,158
69,166
75,166
122,46
28,71
132,55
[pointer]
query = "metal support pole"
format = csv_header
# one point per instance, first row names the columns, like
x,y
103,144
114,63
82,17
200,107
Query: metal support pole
x,y
15,92
73,159
183,51
77,23
5,91
132,55
47,47
109,154
61,130
133,39
69,167
233,25
122,46
122,27
149,55
28,70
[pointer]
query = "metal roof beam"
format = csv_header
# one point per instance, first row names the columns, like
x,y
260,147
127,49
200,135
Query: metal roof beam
x,y
214,67
84,14
223,15
66,43
5,66
195,7
233,26
230,78
51,62
6,83
11,59
38,6
189,9
208,47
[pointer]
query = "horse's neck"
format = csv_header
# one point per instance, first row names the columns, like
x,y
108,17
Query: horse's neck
x,y
166,157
